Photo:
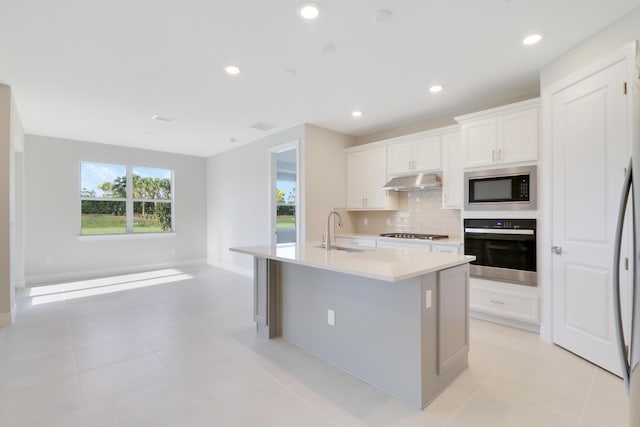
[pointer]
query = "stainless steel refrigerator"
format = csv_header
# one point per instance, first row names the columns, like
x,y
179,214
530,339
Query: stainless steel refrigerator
x,y
629,342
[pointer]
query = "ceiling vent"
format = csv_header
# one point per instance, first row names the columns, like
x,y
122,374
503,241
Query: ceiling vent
x,y
262,126
162,118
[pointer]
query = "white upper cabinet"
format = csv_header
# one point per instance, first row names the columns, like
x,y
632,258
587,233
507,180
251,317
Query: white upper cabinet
x,y
452,173
417,155
366,175
502,135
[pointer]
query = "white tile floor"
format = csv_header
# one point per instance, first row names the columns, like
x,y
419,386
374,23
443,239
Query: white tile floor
x,y
186,354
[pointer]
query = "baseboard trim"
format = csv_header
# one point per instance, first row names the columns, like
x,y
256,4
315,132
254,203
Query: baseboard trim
x,y
506,322
43,279
248,272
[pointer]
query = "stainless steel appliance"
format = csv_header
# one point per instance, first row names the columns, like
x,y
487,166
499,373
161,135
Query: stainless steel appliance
x,y
415,236
505,249
630,351
501,189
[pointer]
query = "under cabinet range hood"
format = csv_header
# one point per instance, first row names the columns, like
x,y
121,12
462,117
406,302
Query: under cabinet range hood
x,y
421,181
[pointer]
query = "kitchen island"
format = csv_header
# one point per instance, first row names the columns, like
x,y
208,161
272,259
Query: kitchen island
x,y
397,319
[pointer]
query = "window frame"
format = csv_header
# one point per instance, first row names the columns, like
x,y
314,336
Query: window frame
x,y
129,202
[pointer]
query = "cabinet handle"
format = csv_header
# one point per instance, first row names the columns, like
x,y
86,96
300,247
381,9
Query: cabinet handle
x,y
495,301
500,154
366,202
445,198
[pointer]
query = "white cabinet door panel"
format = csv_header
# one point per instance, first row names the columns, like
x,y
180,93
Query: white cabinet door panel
x,y
518,136
376,175
479,139
427,154
399,158
356,174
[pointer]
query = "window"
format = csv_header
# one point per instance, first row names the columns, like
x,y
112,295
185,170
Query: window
x,y
119,199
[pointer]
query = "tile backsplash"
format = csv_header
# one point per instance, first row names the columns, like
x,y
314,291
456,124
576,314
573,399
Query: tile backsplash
x,y
418,212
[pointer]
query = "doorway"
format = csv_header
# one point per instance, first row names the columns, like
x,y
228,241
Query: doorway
x,y
283,193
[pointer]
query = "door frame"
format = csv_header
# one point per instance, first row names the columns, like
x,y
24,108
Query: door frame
x,y
545,174
272,182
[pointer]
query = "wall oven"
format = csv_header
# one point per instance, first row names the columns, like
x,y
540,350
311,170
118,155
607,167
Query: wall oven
x,y
501,189
505,249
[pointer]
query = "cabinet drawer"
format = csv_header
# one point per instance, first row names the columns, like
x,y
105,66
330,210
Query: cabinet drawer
x,y
504,304
445,249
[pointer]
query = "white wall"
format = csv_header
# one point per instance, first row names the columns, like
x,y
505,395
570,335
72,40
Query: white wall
x,y
239,190
52,213
11,139
325,172
5,203
610,38
17,252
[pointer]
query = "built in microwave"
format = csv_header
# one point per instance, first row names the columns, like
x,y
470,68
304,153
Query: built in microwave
x,y
501,189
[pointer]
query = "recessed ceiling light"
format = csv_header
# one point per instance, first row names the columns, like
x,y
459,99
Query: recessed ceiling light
x,y
326,48
232,69
232,140
356,113
435,88
291,72
309,10
532,39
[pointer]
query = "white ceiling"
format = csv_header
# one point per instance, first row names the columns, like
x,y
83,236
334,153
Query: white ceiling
x,y
99,70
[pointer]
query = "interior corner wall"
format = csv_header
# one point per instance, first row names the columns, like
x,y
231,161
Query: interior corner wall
x,y
238,189
6,206
325,177
612,37
53,250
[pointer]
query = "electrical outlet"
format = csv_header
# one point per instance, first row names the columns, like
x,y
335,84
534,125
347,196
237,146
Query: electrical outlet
x,y
331,317
389,221
366,221
427,300
48,260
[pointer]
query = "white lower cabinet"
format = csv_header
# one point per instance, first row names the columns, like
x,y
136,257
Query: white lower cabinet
x,y
368,242
505,300
422,245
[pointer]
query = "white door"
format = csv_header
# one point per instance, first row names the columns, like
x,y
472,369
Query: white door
x,y
589,130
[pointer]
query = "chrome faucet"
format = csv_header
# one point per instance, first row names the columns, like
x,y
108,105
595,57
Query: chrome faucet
x,y
327,243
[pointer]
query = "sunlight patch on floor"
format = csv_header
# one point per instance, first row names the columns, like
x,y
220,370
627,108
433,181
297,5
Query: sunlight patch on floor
x,y
86,288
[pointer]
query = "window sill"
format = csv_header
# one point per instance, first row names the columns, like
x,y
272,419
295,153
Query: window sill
x,y
127,236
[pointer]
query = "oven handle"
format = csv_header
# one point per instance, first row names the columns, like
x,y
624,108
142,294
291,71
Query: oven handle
x,y
495,231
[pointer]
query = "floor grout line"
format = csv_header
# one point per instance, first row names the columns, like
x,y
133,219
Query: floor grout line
x,y
588,396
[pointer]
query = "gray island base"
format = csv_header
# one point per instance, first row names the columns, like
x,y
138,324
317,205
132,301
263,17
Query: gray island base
x,y
407,337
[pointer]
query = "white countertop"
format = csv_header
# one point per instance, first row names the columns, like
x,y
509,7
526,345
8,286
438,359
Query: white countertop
x,y
391,265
